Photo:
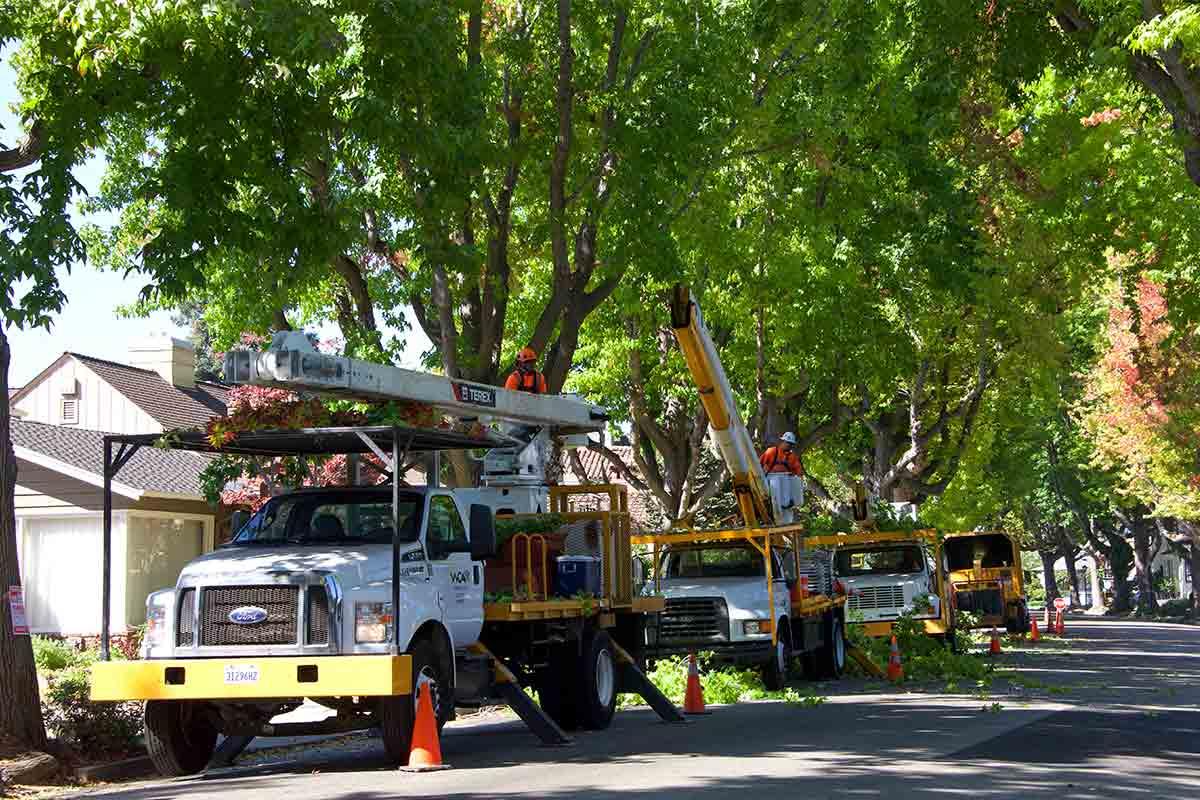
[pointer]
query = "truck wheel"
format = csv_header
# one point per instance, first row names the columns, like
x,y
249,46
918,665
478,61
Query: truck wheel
x,y
179,737
556,689
398,715
832,658
775,671
1019,621
597,681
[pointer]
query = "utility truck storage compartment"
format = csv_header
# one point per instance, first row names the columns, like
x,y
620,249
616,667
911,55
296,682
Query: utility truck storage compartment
x,y
577,574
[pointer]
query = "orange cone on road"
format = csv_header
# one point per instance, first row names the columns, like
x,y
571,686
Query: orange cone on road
x,y
1034,634
895,670
1059,628
693,700
994,648
426,752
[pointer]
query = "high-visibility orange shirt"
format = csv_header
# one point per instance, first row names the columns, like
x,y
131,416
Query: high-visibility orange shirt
x,y
776,460
526,382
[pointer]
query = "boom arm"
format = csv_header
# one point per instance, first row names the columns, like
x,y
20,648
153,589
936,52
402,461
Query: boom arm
x,y
292,362
737,449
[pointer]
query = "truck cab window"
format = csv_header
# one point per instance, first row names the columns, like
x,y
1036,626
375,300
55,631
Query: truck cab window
x,y
446,530
332,517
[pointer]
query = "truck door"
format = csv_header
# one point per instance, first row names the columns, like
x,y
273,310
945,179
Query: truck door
x,y
458,579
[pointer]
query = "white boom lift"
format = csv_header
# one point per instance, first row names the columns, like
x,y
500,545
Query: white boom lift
x,y
529,420
291,362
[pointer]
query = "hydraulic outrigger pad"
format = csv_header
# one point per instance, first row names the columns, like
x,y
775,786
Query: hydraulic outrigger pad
x,y
537,720
634,679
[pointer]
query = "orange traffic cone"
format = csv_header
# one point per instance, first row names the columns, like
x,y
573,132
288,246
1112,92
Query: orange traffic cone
x,y
426,752
1059,628
994,649
693,700
895,670
1034,634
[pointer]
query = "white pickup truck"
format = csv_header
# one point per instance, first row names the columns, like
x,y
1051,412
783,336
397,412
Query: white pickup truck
x,y
300,605
717,602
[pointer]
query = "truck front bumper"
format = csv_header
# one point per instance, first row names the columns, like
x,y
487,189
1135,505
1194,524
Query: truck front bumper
x,y
881,628
755,652
251,678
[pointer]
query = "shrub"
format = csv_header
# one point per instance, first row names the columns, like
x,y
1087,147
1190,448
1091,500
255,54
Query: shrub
x,y
92,729
52,655
923,656
1175,608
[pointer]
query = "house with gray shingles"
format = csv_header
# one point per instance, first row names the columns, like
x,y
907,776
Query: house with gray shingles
x,y
160,517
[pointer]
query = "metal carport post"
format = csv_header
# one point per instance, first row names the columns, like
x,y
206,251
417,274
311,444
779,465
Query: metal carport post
x,y
111,468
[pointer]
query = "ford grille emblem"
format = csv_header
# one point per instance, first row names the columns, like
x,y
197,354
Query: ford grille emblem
x,y
248,615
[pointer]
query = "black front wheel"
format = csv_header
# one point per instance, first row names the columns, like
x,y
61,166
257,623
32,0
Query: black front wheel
x,y
596,699
775,670
398,715
831,660
180,738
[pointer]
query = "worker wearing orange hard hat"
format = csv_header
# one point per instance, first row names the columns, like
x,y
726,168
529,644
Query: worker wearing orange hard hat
x,y
782,457
526,378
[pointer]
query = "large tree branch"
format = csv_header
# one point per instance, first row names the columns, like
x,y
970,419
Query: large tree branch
x,y
619,466
27,152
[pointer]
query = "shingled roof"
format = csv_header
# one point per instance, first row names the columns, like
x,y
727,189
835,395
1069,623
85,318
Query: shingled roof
x,y
150,470
169,405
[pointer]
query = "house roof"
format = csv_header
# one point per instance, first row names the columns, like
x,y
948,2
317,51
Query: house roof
x,y
169,405
150,469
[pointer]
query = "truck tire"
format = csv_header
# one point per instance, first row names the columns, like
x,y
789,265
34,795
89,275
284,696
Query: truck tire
x,y
775,671
179,737
398,715
831,659
1018,620
596,697
556,688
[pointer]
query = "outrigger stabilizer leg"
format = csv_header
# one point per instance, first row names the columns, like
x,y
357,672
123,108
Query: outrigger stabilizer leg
x,y
634,680
538,722
228,750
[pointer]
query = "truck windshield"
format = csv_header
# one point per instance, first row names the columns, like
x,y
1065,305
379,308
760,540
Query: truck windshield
x,y
883,561
349,517
716,562
991,549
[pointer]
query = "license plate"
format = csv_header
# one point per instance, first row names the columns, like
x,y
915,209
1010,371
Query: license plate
x,y
241,673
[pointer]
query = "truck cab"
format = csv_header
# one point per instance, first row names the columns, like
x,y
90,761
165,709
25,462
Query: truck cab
x,y
717,601
310,574
885,579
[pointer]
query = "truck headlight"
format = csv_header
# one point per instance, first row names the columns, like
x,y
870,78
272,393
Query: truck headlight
x,y
754,627
158,626
372,622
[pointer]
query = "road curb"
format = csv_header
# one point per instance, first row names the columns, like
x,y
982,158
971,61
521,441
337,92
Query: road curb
x,y
117,771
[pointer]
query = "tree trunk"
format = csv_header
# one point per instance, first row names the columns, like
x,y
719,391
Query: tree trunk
x,y
1120,560
1069,554
1143,562
22,717
1192,529
1097,589
1049,580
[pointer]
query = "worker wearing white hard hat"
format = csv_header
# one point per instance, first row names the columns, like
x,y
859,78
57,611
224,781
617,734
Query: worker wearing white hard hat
x,y
782,457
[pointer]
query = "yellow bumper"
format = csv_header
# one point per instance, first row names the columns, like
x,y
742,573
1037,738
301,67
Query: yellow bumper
x,y
252,678
875,630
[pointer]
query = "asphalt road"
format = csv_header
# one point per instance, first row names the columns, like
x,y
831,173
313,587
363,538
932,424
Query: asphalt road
x,y
1111,710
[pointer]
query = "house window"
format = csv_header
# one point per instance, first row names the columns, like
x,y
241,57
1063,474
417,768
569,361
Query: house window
x,y
69,411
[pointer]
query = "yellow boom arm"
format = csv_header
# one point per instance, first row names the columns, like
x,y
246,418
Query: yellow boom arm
x,y
749,482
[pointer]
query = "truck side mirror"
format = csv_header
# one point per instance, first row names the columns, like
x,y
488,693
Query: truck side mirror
x,y
483,532
237,521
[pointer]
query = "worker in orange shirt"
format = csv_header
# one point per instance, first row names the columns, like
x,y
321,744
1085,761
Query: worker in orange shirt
x,y
525,377
781,457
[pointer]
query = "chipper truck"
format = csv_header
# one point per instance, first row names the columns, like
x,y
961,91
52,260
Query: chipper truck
x,y
755,594
355,596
